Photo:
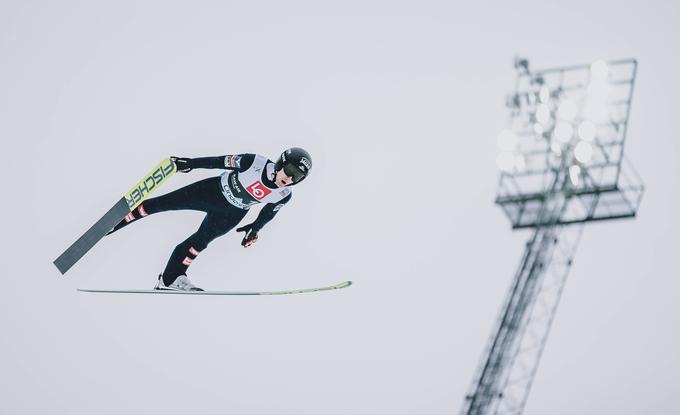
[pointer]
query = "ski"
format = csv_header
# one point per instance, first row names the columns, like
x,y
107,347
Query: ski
x,y
341,285
133,198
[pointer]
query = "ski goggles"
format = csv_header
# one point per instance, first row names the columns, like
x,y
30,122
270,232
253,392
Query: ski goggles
x,y
292,171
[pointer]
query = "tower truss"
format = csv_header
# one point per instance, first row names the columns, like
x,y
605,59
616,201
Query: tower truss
x,y
562,166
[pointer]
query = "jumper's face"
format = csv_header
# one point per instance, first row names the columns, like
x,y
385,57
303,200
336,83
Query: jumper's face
x,y
282,179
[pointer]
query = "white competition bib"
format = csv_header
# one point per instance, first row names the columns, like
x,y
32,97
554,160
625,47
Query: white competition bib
x,y
244,189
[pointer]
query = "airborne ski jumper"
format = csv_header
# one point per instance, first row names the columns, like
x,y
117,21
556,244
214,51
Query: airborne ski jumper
x,y
248,179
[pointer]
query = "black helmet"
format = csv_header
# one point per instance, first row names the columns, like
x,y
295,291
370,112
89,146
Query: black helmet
x,y
295,162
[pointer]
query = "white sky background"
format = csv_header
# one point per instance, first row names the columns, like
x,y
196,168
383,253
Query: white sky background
x,y
400,104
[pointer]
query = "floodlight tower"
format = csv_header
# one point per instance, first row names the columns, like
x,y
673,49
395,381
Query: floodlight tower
x,y
562,165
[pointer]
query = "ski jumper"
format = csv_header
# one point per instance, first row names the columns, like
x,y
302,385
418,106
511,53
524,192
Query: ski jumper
x,y
226,199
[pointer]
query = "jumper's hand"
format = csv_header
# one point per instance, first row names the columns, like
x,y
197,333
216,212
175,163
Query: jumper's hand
x,y
250,235
183,164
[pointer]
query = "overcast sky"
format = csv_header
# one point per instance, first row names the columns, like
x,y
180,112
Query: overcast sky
x,y
400,104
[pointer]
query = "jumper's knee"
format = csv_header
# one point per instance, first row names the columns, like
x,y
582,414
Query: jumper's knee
x,y
137,213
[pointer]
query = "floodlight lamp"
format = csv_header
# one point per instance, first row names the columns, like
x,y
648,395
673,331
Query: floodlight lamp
x,y
556,148
544,94
596,107
507,140
543,114
574,174
599,70
563,131
567,110
583,151
586,130
505,161
538,129
598,89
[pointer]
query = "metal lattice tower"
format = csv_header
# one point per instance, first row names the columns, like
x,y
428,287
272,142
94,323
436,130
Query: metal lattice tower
x,y
562,166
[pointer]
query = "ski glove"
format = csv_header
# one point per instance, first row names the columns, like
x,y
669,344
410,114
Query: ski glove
x,y
183,164
250,237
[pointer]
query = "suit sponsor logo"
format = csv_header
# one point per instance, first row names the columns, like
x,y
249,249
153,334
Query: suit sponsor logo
x,y
233,178
236,201
233,161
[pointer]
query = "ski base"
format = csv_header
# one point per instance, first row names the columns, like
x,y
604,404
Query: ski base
x,y
133,198
93,235
341,285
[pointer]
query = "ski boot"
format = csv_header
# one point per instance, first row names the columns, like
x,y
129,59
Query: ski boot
x,y
182,283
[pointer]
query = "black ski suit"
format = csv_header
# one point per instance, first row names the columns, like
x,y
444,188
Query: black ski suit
x,y
206,196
